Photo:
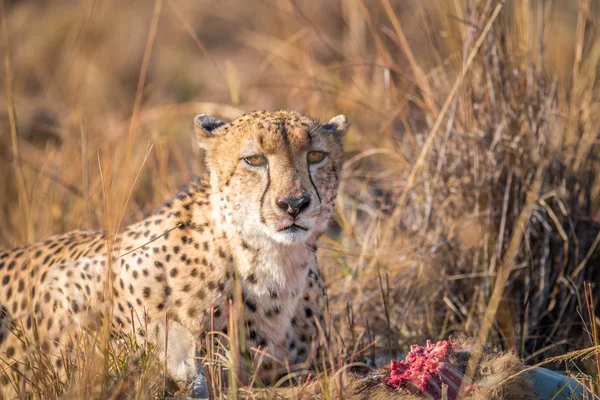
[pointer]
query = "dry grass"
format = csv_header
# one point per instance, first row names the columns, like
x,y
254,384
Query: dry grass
x,y
471,199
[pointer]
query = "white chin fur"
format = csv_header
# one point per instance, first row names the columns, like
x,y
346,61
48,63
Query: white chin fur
x,y
289,236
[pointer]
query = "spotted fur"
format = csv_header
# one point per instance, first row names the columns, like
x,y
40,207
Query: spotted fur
x,y
183,260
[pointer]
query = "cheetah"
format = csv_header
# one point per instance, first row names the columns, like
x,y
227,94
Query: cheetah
x,y
253,221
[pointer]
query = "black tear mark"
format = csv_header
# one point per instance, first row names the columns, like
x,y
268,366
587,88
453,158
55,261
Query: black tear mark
x,y
262,198
313,183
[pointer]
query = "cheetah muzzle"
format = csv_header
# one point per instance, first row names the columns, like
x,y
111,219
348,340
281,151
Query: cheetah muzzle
x,y
253,223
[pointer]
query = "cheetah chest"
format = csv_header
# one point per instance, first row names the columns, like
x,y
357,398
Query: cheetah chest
x,y
271,291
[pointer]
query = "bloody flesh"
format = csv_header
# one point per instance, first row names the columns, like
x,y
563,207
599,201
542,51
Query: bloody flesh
x,y
425,369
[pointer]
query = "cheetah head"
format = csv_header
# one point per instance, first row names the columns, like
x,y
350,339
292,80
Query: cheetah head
x,y
273,174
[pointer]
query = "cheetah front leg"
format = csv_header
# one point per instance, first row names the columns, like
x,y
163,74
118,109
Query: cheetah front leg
x,y
183,365
308,322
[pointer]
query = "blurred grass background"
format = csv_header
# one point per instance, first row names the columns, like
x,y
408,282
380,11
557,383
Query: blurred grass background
x,y
470,204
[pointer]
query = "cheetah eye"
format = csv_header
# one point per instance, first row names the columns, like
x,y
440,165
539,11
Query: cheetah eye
x,y
256,160
315,157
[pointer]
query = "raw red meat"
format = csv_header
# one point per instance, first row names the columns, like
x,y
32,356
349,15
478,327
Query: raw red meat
x,y
425,369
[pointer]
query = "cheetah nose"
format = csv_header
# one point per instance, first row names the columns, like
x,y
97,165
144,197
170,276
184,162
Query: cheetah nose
x,y
294,205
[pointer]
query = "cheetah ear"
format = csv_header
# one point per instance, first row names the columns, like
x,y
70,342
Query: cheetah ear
x,y
204,125
336,125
